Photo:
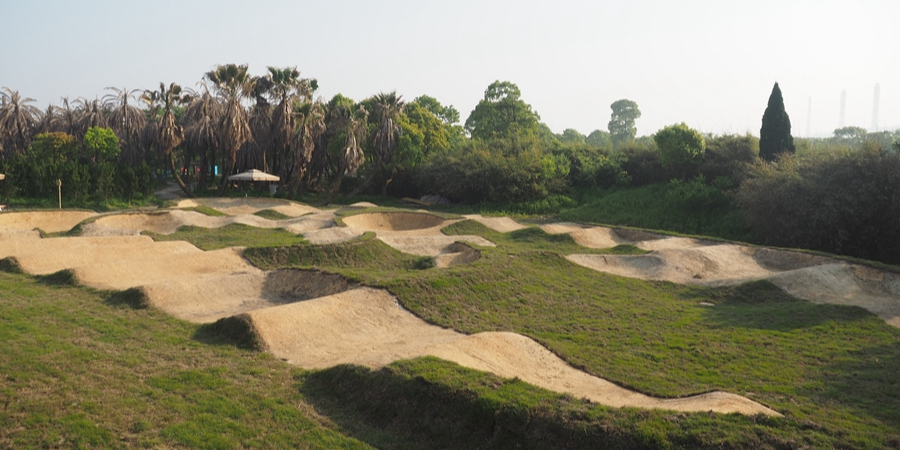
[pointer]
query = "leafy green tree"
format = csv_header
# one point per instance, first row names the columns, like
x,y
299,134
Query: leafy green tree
x,y
101,144
599,139
448,114
502,114
571,136
621,123
775,133
680,147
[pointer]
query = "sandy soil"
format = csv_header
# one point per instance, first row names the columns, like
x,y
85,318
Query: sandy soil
x,y
367,327
250,205
501,224
318,320
49,221
690,261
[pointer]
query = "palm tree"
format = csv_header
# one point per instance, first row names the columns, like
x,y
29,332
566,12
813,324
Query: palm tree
x,y
388,108
169,134
288,90
90,114
126,121
18,121
200,122
67,119
232,84
352,157
310,120
255,152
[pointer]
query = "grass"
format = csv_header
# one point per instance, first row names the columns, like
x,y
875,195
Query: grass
x,y
81,371
271,214
649,207
827,368
230,235
206,210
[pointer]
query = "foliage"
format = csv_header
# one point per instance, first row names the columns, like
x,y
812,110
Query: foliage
x,y
775,133
728,156
101,145
448,114
502,114
680,147
846,203
621,123
599,139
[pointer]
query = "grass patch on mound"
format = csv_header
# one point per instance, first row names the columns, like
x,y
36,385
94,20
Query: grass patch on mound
x,y
79,373
828,368
365,258
10,265
236,330
230,235
271,214
205,210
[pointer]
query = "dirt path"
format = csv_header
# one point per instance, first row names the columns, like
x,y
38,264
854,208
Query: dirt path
x,y
317,320
691,261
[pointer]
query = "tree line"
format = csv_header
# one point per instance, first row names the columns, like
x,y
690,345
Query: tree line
x,y
502,154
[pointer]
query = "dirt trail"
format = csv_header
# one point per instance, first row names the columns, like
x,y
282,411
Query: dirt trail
x,y
690,261
49,221
318,320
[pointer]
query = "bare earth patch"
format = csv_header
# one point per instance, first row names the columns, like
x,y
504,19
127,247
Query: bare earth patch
x,y
317,320
49,221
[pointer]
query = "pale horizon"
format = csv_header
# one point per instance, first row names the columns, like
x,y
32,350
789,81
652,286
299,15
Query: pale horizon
x,y
705,63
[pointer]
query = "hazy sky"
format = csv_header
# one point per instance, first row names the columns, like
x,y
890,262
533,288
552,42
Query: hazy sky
x,y
710,64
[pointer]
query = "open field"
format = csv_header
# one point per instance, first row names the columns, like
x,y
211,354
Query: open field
x,y
507,300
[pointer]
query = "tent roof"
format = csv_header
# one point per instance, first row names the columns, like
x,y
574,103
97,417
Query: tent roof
x,y
254,175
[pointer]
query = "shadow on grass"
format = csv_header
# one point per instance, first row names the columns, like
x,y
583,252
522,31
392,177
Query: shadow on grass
x,y
762,305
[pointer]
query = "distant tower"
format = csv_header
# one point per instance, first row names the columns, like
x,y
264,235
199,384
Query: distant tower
x,y
843,107
875,108
808,117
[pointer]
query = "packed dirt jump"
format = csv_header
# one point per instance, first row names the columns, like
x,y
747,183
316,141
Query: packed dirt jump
x,y
810,277
316,320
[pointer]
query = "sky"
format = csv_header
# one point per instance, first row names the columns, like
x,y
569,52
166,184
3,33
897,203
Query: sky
x,y
708,63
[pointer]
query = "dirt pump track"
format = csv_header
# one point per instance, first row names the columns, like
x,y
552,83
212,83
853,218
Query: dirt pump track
x,y
317,320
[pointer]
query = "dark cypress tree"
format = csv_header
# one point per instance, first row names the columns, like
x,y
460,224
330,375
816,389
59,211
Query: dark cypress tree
x,y
775,134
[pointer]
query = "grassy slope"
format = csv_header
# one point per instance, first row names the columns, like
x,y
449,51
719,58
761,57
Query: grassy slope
x,y
79,373
828,368
648,207
231,235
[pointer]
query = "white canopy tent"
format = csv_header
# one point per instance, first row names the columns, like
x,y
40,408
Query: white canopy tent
x,y
254,175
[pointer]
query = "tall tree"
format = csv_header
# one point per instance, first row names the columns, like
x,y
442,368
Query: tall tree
x,y
18,121
127,121
200,122
388,107
448,114
775,133
354,127
232,83
621,123
169,134
502,114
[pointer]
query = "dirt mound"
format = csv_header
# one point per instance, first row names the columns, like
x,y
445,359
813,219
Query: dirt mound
x,y
501,224
395,221
249,205
46,262
49,221
512,355
140,271
60,245
168,222
215,296
366,326
456,254
591,237
10,235
333,235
